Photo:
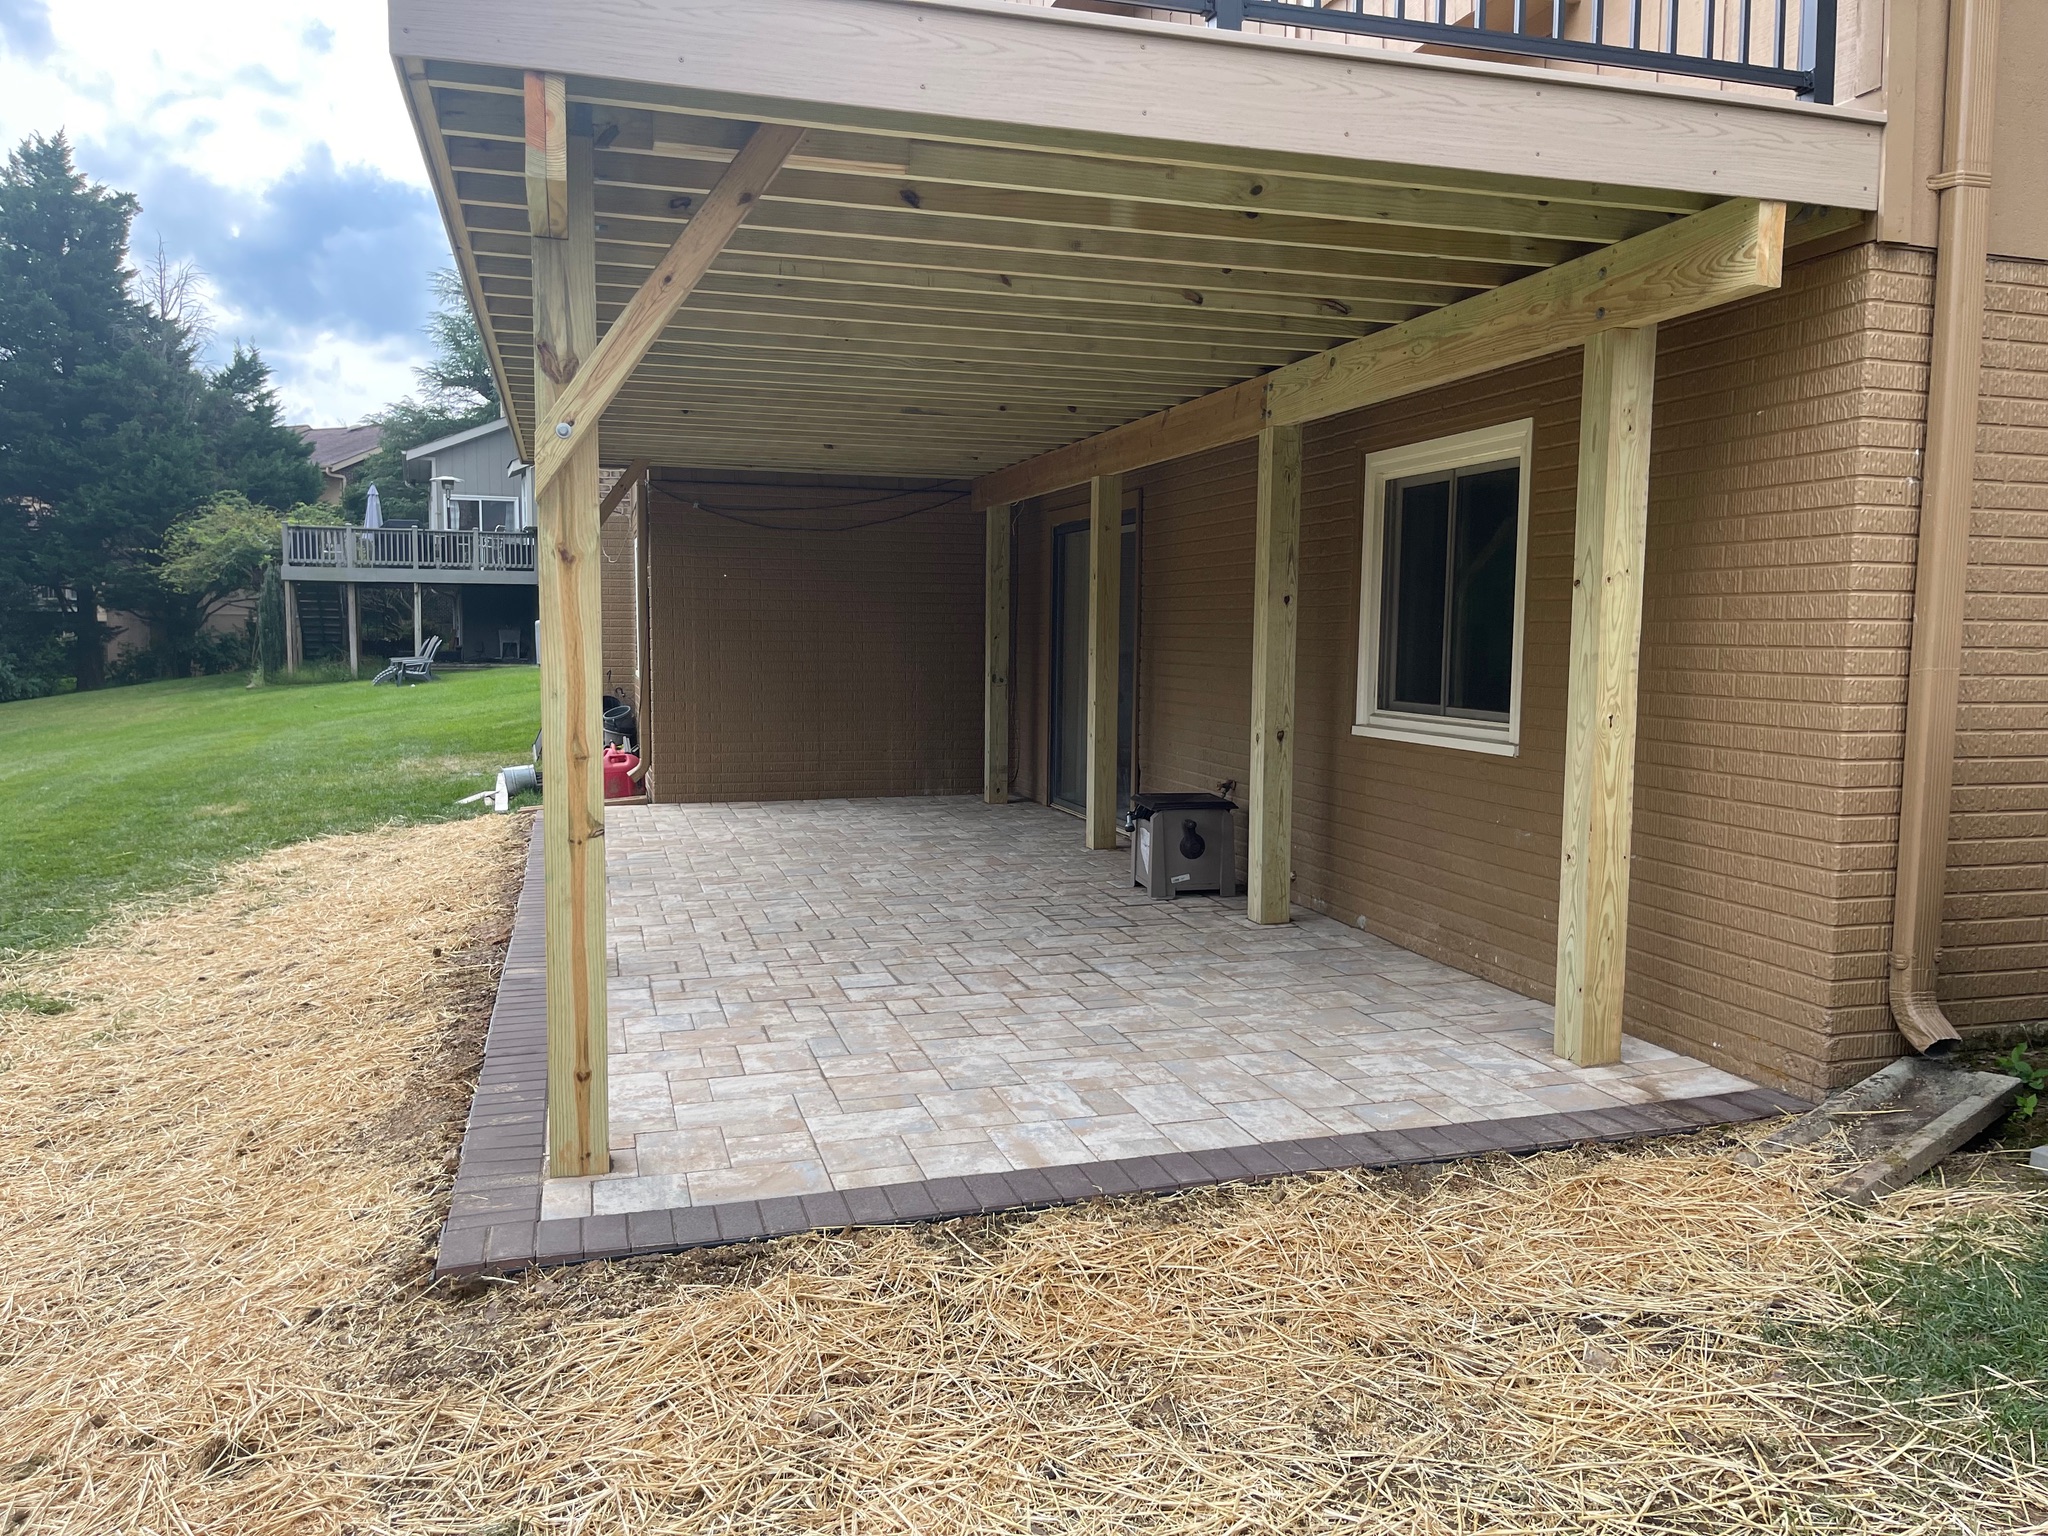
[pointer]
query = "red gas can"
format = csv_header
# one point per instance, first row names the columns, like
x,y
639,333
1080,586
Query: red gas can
x,y
620,767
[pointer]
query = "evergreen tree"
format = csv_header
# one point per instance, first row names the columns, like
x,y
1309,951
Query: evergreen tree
x,y
93,458
109,429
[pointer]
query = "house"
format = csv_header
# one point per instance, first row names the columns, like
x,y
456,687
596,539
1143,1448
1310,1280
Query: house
x,y
1578,490
474,561
340,451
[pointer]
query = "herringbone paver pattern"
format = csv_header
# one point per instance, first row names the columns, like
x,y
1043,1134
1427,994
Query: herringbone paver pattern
x,y
835,994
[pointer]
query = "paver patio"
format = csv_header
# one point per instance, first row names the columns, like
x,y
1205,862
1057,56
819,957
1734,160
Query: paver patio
x,y
829,995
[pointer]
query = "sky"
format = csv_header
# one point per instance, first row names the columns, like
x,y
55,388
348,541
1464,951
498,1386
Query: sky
x,y
269,145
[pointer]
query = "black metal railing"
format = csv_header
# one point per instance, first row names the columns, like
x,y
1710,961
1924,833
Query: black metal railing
x,y
1785,45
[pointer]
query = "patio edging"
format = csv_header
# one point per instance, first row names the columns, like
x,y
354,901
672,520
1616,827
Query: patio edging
x,y
494,1224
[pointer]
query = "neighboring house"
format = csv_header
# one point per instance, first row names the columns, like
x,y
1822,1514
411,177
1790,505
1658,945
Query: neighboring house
x,y
475,479
1556,484
340,452
475,556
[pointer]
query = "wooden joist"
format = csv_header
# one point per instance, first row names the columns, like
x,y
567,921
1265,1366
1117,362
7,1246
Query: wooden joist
x,y
1275,582
1729,252
1600,710
573,415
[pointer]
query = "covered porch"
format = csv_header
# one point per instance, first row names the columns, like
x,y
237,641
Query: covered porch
x,y
1007,255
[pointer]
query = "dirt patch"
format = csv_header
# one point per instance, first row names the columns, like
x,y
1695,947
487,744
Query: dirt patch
x,y
221,1174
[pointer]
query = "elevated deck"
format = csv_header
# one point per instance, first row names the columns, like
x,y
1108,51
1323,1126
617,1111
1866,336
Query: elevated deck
x,y
442,557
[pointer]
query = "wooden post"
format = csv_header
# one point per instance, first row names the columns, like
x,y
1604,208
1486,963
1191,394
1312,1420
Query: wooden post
x,y
995,712
458,620
355,629
572,688
1105,590
1268,881
1600,714
294,645
419,632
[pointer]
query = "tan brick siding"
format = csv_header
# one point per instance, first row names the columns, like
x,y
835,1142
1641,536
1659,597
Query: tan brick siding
x,y
1777,612
810,663
1994,963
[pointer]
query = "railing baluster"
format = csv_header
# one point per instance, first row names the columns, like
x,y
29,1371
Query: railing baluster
x,y
1707,32
1635,25
1745,30
1556,19
1671,26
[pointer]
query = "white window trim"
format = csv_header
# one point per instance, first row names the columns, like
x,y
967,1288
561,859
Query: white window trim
x,y
1501,738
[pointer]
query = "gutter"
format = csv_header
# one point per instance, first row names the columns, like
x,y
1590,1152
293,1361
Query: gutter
x,y
1961,252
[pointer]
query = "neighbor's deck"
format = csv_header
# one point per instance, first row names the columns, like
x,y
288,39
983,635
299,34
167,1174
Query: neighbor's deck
x,y
831,1013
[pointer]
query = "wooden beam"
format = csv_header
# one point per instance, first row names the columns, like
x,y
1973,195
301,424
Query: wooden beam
x,y
1726,253
572,689
1269,879
1600,712
547,156
293,645
573,414
995,726
1105,633
633,474
1729,252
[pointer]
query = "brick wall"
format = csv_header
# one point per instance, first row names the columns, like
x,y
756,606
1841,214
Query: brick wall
x,y
1994,965
794,654
1776,618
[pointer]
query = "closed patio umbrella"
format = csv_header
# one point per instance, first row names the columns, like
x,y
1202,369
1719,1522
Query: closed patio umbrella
x,y
373,511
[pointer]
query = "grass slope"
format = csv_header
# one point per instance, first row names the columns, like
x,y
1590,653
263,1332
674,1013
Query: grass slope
x,y
108,796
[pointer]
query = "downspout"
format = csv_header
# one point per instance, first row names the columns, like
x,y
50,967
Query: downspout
x,y
1963,241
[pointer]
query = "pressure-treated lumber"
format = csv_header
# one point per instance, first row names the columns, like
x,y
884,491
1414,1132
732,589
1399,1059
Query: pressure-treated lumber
x,y
1105,631
572,690
1600,709
1275,583
995,728
1729,252
292,642
547,156
572,416
632,475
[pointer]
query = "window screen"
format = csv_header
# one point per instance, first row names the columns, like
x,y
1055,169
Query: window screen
x,y
1447,607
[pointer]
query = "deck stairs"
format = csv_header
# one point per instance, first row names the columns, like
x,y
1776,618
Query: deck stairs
x,y
323,623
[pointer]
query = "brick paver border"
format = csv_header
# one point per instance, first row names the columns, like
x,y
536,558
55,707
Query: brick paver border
x,y
494,1224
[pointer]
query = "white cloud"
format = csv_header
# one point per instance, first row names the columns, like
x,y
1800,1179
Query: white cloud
x,y
330,379
236,90
270,143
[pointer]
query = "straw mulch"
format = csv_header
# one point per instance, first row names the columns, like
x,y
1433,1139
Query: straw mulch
x,y
220,1174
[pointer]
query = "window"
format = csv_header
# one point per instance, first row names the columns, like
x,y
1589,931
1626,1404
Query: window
x,y
492,514
1440,618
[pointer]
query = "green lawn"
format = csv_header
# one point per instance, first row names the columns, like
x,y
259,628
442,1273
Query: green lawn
x,y
134,791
